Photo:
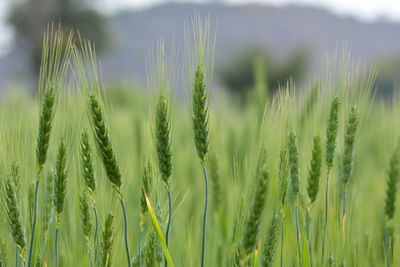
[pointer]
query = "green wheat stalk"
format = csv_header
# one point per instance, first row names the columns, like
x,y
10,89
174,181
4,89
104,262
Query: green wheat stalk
x,y
198,75
271,241
86,64
314,174
90,181
86,222
150,251
283,186
14,218
60,186
250,234
107,241
47,211
16,178
348,159
390,200
295,178
109,160
161,76
31,202
53,70
331,134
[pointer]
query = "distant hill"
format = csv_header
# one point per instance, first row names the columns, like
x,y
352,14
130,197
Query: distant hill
x,y
281,29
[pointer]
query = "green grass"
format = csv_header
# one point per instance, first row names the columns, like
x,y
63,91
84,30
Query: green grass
x,y
236,137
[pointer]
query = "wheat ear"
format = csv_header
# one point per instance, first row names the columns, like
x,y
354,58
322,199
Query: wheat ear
x,y
331,134
60,186
161,77
53,70
198,77
295,178
90,181
107,241
393,179
314,174
271,241
283,185
86,222
348,158
250,234
12,207
108,157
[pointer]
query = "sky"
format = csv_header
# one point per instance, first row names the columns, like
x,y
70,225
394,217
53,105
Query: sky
x,y
366,10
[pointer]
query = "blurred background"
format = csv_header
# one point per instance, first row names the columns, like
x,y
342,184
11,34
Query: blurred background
x,y
266,39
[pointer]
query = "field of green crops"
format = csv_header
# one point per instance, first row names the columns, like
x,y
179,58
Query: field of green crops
x,y
94,151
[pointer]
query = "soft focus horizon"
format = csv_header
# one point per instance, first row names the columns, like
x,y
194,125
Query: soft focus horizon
x,y
363,10
386,10
291,39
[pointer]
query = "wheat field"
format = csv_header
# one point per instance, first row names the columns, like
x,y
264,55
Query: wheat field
x,y
121,174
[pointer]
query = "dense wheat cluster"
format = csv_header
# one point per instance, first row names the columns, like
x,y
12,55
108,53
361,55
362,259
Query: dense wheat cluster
x,y
310,181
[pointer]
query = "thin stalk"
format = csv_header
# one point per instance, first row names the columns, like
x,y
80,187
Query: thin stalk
x,y
169,220
125,229
309,237
90,256
282,236
326,217
34,218
16,256
387,246
95,233
44,251
56,243
204,216
140,248
298,234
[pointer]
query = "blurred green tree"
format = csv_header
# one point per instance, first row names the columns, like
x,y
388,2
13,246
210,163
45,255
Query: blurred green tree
x,y
31,17
388,79
249,71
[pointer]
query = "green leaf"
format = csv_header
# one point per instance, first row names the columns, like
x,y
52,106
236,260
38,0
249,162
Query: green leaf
x,y
158,230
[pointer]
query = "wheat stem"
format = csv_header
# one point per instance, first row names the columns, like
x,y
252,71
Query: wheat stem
x,y
298,233
140,248
387,247
326,216
107,241
348,158
331,134
56,241
44,251
16,256
168,222
95,233
90,256
282,238
125,229
204,215
34,218
308,226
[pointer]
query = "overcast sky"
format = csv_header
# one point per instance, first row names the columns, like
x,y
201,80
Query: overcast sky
x,y
363,9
